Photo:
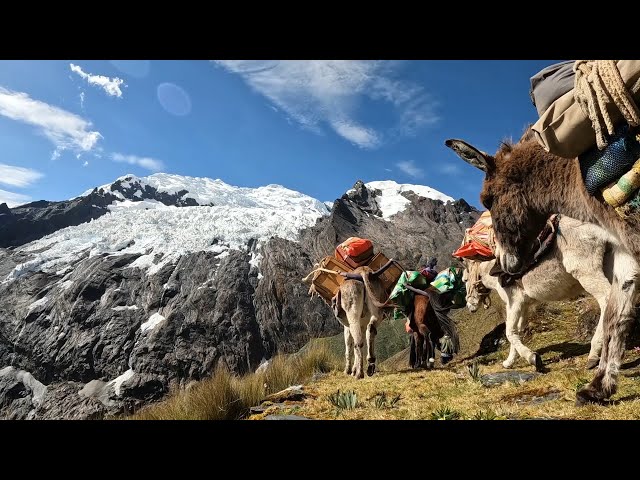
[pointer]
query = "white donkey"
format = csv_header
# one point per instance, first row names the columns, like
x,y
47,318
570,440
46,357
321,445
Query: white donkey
x,y
581,260
360,312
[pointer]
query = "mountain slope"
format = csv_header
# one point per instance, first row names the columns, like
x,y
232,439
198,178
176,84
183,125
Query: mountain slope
x,y
179,274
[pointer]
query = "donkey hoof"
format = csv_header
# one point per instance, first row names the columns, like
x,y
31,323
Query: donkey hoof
x,y
506,364
592,363
347,371
587,395
539,364
371,369
359,375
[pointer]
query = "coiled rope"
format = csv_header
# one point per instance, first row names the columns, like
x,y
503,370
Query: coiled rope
x,y
597,83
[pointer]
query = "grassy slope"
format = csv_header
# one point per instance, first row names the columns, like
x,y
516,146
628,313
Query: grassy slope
x,y
554,332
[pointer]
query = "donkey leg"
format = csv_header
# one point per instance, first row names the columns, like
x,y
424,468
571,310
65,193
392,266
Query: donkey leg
x,y
430,352
418,341
618,318
513,351
358,344
348,348
596,343
413,349
371,340
523,320
513,354
594,281
516,311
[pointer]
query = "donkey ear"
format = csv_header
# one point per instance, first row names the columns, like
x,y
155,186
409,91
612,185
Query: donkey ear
x,y
471,155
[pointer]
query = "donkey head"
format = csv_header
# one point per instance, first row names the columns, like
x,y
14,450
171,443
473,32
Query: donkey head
x,y
509,191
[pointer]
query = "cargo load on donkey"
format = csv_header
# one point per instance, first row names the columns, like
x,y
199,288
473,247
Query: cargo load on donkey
x,y
424,306
478,240
591,112
357,297
349,255
355,251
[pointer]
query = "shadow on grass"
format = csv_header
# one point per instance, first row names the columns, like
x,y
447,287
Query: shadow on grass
x,y
490,343
631,364
626,398
567,349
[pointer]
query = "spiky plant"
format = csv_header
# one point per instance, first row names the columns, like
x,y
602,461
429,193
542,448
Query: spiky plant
x,y
380,400
485,415
445,413
474,371
344,400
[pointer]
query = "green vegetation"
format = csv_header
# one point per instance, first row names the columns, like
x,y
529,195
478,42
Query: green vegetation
x,y
344,400
474,371
445,413
381,400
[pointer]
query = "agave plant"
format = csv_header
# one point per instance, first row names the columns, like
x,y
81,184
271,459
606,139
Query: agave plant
x,y
344,400
474,371
445,413
485,415
381,400
394,400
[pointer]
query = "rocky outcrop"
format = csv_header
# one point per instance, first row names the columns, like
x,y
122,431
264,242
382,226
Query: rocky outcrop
x,y
34,220
103,337
424,229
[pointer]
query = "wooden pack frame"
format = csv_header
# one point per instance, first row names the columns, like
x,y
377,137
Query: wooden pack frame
x,y
327,284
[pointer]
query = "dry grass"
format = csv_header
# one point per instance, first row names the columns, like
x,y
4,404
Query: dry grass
x,y
227,397
444,393
448,393
426,394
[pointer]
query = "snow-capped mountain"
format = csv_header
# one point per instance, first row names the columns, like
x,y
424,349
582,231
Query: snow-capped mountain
x,y
162,217
180,190
113,297
388,195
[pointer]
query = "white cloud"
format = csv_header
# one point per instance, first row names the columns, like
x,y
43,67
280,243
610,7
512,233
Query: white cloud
x,y
362,136
65,129
450,169
328,92
85,163
410,169
144,162
18,176
82,100
13,199
110,85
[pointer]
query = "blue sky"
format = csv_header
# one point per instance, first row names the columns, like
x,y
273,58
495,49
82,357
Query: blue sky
x,y
312,126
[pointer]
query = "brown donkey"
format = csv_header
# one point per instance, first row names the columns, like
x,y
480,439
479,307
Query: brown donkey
x,y
523,186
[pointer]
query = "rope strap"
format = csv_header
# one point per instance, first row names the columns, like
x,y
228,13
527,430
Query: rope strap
x,y
598,83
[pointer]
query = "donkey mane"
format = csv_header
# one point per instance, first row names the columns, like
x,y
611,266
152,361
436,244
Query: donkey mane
x,y
507,144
